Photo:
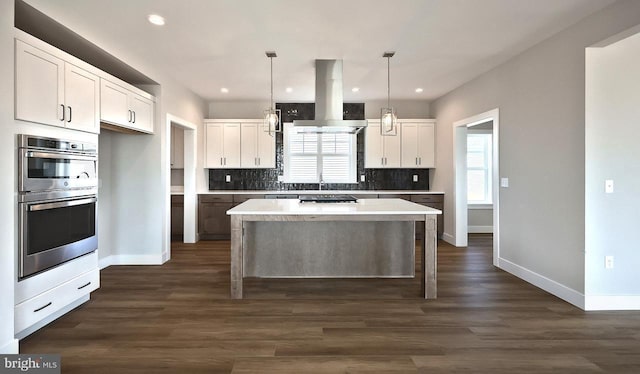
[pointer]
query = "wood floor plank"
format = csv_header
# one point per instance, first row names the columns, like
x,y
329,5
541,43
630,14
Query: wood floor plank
x,y
179,318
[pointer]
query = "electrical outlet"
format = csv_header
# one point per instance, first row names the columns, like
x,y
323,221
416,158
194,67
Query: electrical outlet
x,y
280,178
362,178
504,182
415,177
608,262
608,186
227,178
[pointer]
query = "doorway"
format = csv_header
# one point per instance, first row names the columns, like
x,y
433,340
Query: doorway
x,y
181,172
488,123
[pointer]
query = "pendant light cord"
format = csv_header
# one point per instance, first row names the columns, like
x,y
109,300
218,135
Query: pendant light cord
x,y
388,82
271,59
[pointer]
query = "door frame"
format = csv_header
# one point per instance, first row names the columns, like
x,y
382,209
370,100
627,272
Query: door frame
x,y
460,127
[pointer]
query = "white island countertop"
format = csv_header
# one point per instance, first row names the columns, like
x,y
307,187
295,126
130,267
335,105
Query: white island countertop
x,y
319,192
361,207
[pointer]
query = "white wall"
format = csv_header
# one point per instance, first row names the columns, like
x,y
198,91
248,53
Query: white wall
x,y
612,152
540,94
254,109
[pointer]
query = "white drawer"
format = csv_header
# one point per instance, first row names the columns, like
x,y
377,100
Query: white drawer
x,y
37,308
37,284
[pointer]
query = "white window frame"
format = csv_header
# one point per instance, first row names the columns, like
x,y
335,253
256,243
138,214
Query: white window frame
x,y
487,168
288,178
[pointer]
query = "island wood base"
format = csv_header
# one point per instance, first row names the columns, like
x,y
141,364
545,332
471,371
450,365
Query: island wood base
x,y
428,245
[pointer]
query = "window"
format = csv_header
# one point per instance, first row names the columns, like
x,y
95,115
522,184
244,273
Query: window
x,y
308,155
479,158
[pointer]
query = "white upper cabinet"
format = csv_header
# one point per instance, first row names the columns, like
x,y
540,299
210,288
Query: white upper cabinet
x,y
413,146
381,151
82,96
257,147
418,144
125,108
222,146
54,92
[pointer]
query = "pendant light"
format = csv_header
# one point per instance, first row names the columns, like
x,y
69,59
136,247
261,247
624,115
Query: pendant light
x,y
388,117
272,115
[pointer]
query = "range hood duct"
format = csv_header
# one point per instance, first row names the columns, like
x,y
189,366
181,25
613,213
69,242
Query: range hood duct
x,y
329,99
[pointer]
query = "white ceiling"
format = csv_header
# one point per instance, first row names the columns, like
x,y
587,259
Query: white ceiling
x,y
209,44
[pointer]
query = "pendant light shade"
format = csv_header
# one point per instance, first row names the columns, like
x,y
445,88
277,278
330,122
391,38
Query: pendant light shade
x,y
388,116
271,117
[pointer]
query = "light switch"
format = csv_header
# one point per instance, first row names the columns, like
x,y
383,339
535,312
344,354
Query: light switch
x,y
280,178
415,177
362,178
608,186
227,178
504,182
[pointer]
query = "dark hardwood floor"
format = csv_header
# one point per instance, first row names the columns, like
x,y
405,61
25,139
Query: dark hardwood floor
x,y
178,318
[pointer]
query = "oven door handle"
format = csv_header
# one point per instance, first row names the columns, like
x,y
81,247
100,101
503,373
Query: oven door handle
x,y
61,204
32,154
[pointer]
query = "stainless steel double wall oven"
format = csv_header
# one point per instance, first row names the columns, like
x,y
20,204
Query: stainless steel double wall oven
x,y
57,196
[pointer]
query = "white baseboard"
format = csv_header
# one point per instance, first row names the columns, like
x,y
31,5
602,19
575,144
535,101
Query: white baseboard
x,y
131,260
449,238
565,293
480,229
612,302
10,348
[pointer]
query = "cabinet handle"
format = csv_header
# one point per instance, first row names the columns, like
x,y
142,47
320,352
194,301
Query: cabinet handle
x,y
225,161
70,113
221,161
42,307
63,112
258,161
134,116
416,161
129,116
420,159
84,285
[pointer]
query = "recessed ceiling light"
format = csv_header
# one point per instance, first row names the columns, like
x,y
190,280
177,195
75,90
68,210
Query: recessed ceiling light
x,y
289,90
156,19
224,90
355,89
418,90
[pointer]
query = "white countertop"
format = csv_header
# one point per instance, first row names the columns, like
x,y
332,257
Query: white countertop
x,y
361,207
314,192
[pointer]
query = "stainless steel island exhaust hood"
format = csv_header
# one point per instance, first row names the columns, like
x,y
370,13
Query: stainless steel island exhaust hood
x,y
329,99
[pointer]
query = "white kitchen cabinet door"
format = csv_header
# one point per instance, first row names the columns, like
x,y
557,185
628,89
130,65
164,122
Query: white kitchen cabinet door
x,y
214,153
114,103
82,99
266,148
373,150
427,145
392,150
249,145
231,146
418,143
39,86
141,113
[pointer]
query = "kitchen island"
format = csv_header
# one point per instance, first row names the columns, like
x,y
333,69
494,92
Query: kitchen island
x,y
368,238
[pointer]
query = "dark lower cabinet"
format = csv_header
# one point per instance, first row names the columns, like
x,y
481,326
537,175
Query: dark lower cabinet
x,y
213,221
435,201
177,217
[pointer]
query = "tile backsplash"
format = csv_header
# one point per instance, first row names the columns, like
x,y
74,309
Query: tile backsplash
x,y
267,179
